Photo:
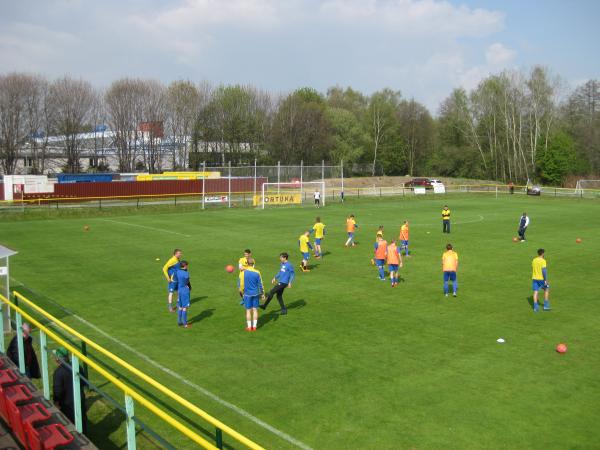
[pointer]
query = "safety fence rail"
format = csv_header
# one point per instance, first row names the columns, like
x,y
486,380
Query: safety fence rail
x,y
81,358
246,199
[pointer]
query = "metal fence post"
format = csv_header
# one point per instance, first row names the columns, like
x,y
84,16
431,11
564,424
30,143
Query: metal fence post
x,y
84,352
76,393
301,180
254,191
45,373
219,438
203,181
229,187
129,411
20,346
278,176
342,170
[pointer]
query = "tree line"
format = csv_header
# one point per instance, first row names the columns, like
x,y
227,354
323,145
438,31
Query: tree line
x,y
513,126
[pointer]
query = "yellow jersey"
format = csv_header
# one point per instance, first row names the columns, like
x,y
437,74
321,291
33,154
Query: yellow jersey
x,y
446,214
303,240
538,264
319,230
449,261
170,263
243,263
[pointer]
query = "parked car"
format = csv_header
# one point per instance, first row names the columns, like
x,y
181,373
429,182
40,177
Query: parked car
x,y
418,182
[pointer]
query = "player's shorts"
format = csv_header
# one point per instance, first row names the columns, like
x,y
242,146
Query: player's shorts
x,y
379,262
305,255
404,243
538,284
393,267
183,299
449,276
172,286
251,301
318,241
350,234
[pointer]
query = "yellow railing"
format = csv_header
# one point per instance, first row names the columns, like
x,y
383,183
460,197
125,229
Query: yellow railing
x,y
127,390
174,396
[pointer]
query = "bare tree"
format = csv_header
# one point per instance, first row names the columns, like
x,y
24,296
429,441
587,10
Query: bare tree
x,y
155,112
71,102
183,106
123,101
13,118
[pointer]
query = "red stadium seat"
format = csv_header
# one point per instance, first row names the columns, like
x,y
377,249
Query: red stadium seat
x,y
15,394
20,416
48,437
7,376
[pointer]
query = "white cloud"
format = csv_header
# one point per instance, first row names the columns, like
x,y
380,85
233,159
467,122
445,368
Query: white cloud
x,y
416,17
499,55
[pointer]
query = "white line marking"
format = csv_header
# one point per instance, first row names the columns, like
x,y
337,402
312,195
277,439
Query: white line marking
x,y
162,230
206,392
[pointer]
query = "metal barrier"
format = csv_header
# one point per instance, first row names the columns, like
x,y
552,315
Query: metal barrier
x,y
245,198
79,355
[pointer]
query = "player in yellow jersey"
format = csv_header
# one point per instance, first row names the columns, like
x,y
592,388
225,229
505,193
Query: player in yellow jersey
x,y
319,230
169,269
305,246
450,267
446,220
243,261
540,280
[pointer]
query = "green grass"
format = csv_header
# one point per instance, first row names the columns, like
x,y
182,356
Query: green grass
x,y
355,364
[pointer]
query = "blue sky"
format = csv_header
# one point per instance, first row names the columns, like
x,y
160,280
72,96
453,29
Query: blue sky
x,y
423,48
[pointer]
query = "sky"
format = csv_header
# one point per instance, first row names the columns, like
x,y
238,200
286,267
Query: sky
x,y
423,48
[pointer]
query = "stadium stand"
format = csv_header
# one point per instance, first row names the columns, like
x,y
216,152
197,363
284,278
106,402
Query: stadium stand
x,y
29,420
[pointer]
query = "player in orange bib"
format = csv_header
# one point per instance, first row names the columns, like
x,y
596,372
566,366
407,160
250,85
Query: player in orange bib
x,y
351,227
380,256
403,238
394,259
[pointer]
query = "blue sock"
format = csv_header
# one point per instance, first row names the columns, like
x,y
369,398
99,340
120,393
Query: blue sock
x,y
535,307
179,316
184,317
445,287
406,251
546,304
381,273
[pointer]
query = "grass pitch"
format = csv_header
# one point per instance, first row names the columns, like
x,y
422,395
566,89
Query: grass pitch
x,y
355,363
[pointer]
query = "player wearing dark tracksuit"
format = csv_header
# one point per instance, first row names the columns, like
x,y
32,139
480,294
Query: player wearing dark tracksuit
x,y
283,280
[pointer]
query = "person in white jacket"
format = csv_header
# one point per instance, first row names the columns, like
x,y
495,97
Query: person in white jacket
x,y
523,224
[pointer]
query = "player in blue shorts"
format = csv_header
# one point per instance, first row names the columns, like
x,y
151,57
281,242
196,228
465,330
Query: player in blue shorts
x,y
251,287
184,289
305,246
169,269
539,280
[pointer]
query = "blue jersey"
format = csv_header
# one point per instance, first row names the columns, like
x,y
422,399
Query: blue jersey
x,y
173,269
183,279
250,282
286,273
